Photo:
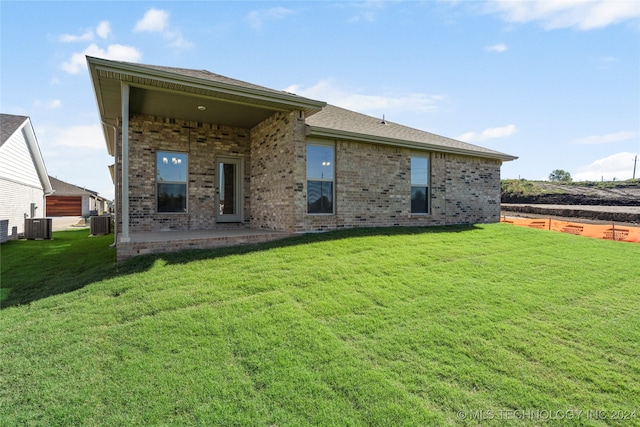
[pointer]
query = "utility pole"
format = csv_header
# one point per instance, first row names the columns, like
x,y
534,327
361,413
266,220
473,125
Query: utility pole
x,y
634,166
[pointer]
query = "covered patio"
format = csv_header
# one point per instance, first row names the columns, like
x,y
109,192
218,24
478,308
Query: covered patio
x,y
154,242
200,160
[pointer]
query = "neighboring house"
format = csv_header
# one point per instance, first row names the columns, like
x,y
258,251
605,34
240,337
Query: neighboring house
x,y
71,200
24,182
198,154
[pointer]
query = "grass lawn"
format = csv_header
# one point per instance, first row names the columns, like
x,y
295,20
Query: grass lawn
x,y
484,325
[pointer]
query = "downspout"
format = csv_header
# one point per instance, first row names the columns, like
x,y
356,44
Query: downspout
x,y
44,202
115,176
125,163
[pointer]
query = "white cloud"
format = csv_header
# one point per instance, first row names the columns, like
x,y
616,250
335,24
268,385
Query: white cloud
x,y
605,62
154,21
489,133
104,29
606,139
70,38
157,21
553,14
50,104
618,166
81,136
54,103
177,40
328,91
367,11
116,52
257,18
498,48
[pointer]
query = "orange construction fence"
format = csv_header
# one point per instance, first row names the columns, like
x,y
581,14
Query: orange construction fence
x,y
607,232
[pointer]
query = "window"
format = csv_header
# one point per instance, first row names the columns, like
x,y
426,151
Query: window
x,y
171,181
319,179
419,185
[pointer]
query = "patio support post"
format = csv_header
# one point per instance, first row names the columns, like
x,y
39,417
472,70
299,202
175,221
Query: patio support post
x,y
124,237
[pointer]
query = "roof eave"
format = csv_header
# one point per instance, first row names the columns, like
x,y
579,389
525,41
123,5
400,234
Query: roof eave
x,y
98,97
320,132
310,106
36,154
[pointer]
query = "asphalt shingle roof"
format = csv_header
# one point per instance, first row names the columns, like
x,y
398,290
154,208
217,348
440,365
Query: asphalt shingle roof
x,y
340,120
8,125
62,188
343,120
208,75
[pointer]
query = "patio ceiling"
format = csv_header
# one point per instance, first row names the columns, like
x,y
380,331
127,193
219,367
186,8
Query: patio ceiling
x,y
189,107
193,95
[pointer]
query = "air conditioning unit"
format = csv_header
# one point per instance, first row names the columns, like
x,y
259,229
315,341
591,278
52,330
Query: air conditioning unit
x,y
37,228
4,230
100,225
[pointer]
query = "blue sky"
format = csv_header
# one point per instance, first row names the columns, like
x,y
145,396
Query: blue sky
x,y
556,83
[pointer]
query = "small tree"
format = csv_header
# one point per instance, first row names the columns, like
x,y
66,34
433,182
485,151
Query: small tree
x,y
560,175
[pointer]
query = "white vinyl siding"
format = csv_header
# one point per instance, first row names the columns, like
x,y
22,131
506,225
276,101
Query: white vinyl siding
x,y
16,163
20,185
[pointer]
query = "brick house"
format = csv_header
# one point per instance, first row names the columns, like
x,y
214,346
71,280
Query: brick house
x,y
24,182
72,200
209,161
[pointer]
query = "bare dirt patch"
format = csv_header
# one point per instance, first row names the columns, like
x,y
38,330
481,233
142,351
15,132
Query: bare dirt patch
x,y
598,202
547,193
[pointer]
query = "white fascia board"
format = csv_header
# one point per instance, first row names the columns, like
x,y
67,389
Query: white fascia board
x,y
98,97
36,155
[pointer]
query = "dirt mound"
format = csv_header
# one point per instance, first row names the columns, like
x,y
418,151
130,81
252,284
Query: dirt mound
x,y
595,194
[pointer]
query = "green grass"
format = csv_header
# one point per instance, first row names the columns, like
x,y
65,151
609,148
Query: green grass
x,y
387,327
522,187
34,269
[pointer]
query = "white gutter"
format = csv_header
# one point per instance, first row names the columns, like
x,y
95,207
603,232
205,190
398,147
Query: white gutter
x,y
115,184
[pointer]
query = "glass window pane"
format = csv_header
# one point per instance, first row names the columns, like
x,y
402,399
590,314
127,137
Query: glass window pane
x,y
172,197
227,188
319,197
172,167
419,171
419,199
319,162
